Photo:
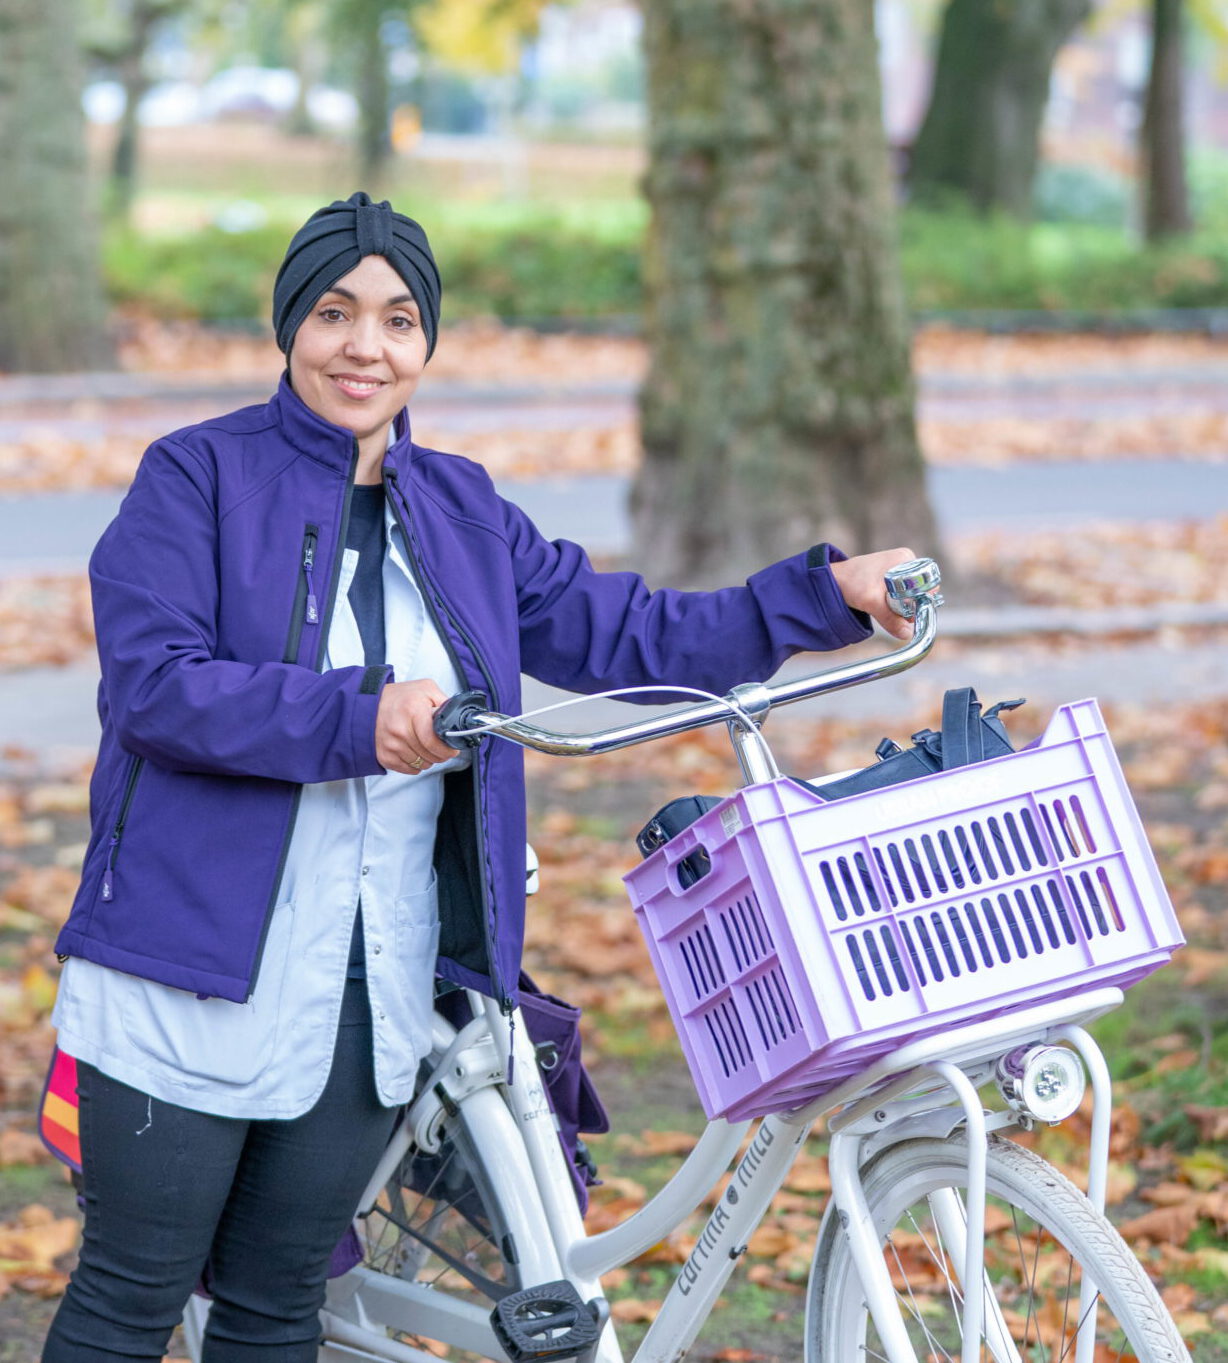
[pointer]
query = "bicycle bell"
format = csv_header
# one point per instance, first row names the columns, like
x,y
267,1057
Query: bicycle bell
x,y
908,581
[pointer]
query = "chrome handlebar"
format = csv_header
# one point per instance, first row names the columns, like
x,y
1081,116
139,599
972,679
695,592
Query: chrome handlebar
x,y
912,590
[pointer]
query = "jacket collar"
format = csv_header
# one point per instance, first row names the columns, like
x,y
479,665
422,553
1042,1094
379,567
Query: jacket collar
x,y
321,440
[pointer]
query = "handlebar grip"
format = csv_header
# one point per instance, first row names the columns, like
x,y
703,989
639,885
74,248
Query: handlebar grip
x,y
909,581
455,715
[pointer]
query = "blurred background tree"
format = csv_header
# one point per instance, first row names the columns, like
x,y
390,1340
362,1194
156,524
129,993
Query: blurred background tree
x,y
778,408
480,36
980,138
116,37
52,313
1162,179
360,26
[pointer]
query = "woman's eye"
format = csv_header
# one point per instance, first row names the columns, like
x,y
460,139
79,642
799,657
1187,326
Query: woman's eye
x,y
331,314
402,323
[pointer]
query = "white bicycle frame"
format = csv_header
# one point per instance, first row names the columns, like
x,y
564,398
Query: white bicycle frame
x,y
925,1088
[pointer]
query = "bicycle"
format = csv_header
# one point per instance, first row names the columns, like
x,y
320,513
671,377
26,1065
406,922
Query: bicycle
x,y
472,1237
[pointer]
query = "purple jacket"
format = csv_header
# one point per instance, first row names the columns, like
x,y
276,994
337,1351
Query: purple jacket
x,y
213,590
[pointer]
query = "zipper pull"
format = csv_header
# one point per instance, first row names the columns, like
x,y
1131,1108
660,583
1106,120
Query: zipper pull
x,y
108,887
511,1049
313,606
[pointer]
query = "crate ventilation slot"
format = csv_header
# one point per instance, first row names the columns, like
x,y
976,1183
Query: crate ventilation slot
x,y
773,1008
981,934
729,1043
746,933
703,962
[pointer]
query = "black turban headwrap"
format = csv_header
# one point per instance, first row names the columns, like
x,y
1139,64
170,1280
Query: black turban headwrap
x,y
332,242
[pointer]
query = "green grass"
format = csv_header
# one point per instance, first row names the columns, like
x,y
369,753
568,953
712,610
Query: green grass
x,y
953,262
582,261
574,261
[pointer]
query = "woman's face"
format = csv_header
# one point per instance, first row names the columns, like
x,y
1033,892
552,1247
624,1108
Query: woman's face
x,y
359,353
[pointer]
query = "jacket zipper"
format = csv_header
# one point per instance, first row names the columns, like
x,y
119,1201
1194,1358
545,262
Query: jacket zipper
x,y
117,833
430,596
306,608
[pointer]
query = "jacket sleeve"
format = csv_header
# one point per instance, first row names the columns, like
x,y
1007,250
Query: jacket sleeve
x,y
588,631
171,698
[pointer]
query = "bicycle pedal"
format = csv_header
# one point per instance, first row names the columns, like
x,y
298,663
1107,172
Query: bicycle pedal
x,y
547,1322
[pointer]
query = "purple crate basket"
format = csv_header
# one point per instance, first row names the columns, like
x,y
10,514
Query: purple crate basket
x,y
826,934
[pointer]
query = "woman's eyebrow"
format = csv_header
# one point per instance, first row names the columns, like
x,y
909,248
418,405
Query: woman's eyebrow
x,y
392,302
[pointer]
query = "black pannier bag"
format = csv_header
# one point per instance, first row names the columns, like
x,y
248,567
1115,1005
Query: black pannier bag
x,y
667,823
967,736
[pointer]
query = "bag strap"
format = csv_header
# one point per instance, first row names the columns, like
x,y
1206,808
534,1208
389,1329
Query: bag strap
x,y
962,739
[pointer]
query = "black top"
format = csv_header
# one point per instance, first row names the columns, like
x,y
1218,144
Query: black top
x,y
365,533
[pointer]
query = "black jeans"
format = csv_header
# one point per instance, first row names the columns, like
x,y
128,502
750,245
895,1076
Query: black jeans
x,y
264,1201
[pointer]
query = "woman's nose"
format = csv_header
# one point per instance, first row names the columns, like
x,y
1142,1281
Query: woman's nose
x,y
362,340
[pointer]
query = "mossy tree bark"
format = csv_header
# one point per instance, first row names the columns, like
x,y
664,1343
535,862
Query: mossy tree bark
x,y
778,408
52,313
980,137
1165,189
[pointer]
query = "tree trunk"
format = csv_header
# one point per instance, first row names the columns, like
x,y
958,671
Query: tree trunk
x,y
980,138
52,314
1166,198
121,191
374,134
778,410
128,57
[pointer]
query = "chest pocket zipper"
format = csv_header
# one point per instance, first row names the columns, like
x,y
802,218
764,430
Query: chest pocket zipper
x,y
117,833
306,603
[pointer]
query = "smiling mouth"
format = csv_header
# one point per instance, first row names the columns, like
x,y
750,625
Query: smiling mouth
x,y
354,387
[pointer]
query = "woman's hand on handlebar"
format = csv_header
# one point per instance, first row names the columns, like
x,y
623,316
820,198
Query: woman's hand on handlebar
x,y
405,737
860,580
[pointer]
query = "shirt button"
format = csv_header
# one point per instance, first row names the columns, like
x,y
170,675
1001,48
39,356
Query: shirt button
x,y
382,1015
365,870
377,949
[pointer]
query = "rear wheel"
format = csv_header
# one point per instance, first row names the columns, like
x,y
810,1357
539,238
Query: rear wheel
x,y
441,1221
453,1232
1042,1238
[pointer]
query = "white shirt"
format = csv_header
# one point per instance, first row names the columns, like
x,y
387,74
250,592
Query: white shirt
x,y
372,837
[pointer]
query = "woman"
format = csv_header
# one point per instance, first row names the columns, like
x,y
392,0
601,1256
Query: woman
x,y
284,854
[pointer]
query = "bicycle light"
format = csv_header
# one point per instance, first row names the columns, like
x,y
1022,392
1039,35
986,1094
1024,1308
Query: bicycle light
x,y
1043,1082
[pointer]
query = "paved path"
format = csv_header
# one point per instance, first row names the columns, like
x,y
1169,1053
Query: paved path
x,y
86,406
53,532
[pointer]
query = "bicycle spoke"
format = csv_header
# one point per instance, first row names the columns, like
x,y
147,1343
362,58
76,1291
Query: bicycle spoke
x,y
433,1226
917,1312
953,1293
1066,1308
1031,1286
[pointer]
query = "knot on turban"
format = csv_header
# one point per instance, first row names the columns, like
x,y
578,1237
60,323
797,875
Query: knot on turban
x,y
332,242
